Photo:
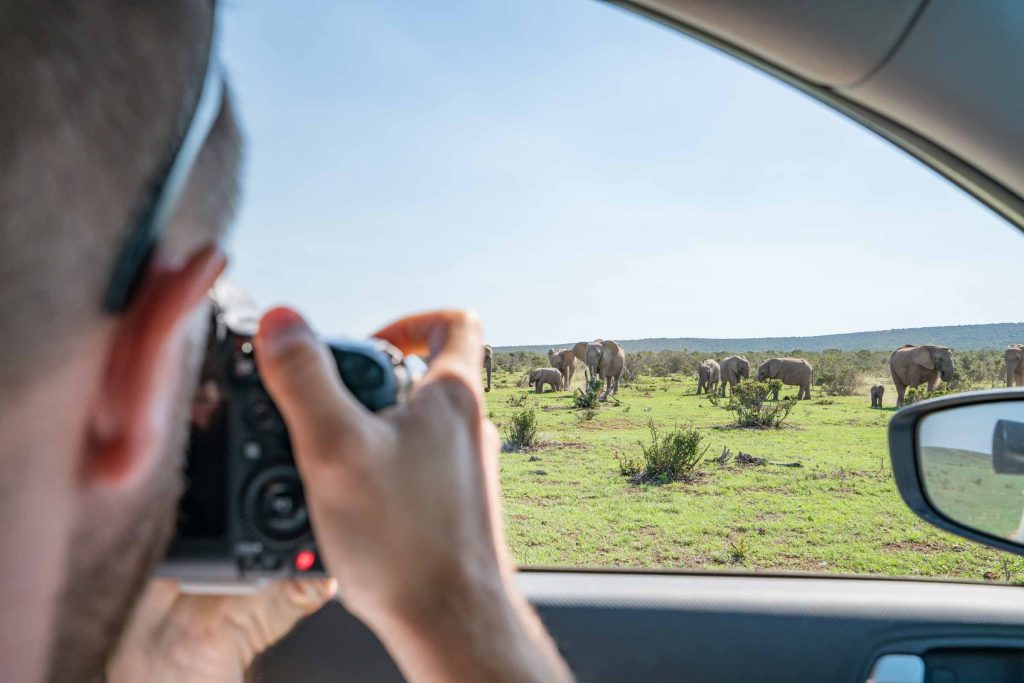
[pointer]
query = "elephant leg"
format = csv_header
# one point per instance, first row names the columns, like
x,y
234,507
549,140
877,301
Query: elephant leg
x,y
901,390
932,381
775,394
539,387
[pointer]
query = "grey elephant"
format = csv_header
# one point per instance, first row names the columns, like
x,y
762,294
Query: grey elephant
x,y
580,351
488,364
709,373
733,370
541,376
608,360
791,371
877,391
911,366
565,362
1014,356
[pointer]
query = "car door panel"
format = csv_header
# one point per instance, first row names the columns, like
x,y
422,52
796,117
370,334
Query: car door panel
x,y
704,627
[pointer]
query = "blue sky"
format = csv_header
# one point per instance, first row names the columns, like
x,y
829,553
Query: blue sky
x,y
572,171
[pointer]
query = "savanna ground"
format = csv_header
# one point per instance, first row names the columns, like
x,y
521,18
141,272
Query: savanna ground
x,y
567,504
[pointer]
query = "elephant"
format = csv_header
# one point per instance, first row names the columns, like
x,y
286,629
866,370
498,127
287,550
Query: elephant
x,y
579,350
565,362
608,360
791,371
541,376
733,369
1014,356
488,364
911,365
877,391
709,373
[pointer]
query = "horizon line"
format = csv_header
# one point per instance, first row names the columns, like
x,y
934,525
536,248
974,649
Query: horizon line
x,y
744,339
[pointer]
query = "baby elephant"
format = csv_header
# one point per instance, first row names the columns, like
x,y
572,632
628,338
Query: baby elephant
x,y
541,376
876,395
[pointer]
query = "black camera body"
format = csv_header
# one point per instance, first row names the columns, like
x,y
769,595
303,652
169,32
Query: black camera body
x,y
243,515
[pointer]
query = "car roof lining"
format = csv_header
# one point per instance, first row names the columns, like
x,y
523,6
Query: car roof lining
x,y
935,153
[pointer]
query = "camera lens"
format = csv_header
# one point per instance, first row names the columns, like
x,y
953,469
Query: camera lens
x,y
275,504
359,371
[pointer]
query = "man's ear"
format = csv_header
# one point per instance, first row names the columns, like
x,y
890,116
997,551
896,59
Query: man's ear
x,y
133,411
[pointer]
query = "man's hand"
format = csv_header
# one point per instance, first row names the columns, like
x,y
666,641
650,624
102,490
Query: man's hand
x,y
175,637
405,504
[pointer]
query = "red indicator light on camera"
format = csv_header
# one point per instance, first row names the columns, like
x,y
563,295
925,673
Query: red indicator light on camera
x,y
305,560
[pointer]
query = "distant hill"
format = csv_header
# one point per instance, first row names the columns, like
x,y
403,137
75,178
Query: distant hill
x,y
957,337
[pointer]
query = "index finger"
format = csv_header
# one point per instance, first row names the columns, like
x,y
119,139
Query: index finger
x,y
452,339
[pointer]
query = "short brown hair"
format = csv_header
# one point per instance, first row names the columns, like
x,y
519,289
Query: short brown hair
x,y
95,93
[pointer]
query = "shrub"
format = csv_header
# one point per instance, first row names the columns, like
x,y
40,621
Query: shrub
x,y
917,395
521,431
672,456
752,404
959,383
843,381
588,398
585,415
738,550
518,361
517,401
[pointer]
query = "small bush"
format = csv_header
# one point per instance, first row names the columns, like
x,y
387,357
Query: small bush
x,y
752,404
672,456
517,401
585,415
588,398
840,381
958,384
917,395
738,550
521,431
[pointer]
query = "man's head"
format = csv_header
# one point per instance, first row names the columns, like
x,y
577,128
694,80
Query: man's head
x,y
92,405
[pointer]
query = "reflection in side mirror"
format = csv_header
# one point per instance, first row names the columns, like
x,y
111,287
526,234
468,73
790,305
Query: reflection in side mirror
x,y
1008,447
958,463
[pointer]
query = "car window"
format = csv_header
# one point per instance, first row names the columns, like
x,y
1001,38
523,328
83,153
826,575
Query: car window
x,y
575,173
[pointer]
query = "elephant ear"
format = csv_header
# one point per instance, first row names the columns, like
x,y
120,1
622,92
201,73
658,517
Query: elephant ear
x,y
923,357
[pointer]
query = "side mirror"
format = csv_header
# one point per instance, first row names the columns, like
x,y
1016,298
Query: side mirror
x,y
958,462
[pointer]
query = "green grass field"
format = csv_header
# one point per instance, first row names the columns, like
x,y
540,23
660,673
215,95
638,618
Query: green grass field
x,y
963,485
566,503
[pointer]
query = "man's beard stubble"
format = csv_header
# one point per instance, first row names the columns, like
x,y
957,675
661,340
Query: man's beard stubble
x,y
105,576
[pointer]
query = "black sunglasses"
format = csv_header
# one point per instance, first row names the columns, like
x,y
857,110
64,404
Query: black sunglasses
x,y
165,191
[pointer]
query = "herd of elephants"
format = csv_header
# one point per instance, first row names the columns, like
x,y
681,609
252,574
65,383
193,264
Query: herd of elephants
x,y
910,366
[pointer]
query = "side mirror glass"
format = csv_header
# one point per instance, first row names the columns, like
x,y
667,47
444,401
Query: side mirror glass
x,y
959,463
